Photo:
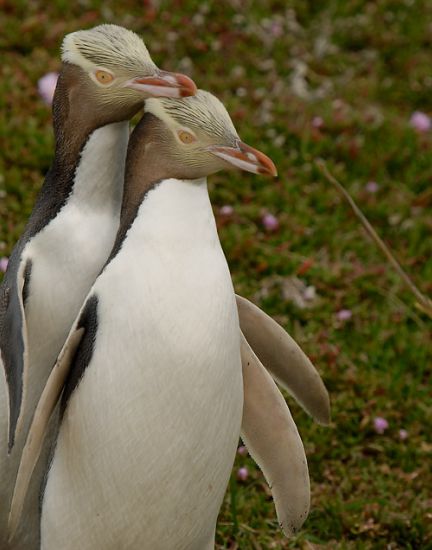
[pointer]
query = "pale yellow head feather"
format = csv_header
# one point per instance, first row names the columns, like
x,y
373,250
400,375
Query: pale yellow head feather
x,y
108,46
203,112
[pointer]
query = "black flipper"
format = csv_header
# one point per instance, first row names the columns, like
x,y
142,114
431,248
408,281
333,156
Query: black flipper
x,y
88,320
13,339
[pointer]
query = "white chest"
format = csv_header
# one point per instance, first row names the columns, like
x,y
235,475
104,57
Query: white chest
x,y
153,426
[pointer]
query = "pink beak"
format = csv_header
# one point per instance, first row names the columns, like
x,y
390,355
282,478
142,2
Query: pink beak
x,y
164,84
246,158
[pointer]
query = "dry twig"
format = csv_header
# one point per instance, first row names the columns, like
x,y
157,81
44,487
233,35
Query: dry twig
x,y
422,302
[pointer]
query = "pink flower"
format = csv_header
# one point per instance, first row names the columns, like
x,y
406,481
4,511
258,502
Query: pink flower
x,y
226,210
242,450
317,122
420,122
270,222
403,434
309,293
380,425
371,187
3,264
276,29
344,314
46,87
242,474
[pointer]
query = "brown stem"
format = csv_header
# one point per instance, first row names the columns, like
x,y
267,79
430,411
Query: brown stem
x,y
423,302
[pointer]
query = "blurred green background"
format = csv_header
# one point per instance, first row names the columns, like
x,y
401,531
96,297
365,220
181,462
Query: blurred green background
x,y
348,81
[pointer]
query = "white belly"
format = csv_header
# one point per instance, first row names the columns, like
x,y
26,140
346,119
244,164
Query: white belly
x,y
149,436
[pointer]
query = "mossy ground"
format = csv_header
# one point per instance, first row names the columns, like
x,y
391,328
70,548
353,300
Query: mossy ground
x,y
362,68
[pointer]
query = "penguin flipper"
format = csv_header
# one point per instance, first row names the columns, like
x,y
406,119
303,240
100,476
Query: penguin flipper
x,y
271,436
13,341
36,435
284,359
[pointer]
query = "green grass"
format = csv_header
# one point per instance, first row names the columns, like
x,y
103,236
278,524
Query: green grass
x,y
366,69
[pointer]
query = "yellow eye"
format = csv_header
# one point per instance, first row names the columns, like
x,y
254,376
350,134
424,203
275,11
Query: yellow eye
x,y
186,137
104,77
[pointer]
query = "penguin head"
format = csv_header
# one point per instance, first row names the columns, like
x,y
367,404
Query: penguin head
x,y
110,68
198,134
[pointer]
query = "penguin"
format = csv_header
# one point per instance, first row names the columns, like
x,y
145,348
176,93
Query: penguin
x,y
106,75
279,345
24,341
153,399
107,72
267,426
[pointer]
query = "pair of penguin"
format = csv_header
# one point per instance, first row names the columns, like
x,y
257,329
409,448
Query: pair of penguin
x,y
155,380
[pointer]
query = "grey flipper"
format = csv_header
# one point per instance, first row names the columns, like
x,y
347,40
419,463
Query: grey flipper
x,y
273,441
284,359
38,429
13,338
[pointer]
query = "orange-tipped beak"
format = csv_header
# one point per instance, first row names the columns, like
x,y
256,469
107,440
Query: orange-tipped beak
x,y
164,84
246,158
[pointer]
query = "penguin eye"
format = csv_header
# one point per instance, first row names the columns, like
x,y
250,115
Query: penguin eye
x,y
186,137
104,77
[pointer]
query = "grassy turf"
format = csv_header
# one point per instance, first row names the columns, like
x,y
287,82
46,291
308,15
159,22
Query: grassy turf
x,y
363,68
